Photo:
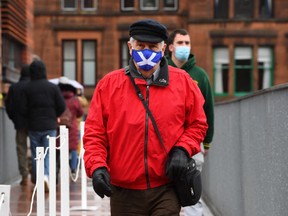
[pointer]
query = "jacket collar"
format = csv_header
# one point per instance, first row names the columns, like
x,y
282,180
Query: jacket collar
x,y
188,65
161,80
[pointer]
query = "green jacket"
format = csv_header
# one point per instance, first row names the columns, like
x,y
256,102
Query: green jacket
x,y
200,76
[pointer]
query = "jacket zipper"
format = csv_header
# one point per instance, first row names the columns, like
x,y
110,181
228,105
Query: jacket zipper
x,y
146,140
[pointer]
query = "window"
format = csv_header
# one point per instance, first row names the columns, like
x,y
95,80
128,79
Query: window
x,y
243,8
243,70
265,67
221,9
69,59
221,69
170,5
89,62
11,53
265,8
127,5
69,5
89,5
125,55
11,59
149,4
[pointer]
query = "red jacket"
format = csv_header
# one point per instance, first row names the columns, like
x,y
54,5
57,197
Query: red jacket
x,y
73,103
117,135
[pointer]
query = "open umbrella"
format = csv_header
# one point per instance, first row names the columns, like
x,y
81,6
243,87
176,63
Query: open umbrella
x,y
73,83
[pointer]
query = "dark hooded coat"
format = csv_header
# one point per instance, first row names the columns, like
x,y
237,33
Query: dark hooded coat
x,y
12,100
42,101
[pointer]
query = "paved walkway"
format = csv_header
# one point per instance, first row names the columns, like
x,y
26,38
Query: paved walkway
x,y
21,200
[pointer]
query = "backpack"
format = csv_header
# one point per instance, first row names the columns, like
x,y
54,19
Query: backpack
x,y
66,118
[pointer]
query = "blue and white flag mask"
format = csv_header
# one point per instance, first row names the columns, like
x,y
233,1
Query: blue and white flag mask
x,y
146,59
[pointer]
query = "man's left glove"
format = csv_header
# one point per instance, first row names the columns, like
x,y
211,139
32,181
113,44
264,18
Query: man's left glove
x,y
177,163
101,182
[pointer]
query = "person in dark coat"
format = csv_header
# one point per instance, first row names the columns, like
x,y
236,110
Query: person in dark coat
x,y
42,103
20,122
76,110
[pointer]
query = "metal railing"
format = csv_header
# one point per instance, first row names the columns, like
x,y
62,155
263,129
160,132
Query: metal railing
x,y
246,172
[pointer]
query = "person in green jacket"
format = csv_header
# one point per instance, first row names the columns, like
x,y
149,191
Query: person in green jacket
x,y
179,46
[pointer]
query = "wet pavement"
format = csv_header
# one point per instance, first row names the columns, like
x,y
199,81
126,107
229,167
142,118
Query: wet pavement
x,y
21,199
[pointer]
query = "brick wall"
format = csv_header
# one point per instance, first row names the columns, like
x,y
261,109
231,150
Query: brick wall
x,y
108,25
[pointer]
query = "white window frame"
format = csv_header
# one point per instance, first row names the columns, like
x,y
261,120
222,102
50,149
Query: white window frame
x,y
124,53
221,56
143,8
172,8
68,62
69,9
123,8
243,53
89,9
87,63
11,59
265,55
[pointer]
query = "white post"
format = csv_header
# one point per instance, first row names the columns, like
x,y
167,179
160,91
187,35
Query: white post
x,y
64,171
40,181
83,206
83,173
52,176
5,200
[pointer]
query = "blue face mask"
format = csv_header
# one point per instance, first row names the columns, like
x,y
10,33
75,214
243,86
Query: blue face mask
x,y
146,59
182,53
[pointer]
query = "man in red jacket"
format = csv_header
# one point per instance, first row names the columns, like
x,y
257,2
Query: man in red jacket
x,y
124,155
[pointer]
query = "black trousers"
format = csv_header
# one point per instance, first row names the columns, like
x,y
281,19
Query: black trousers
x,y
160,201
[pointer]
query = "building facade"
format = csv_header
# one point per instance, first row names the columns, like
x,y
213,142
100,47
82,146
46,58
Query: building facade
x,y
16,40
242,44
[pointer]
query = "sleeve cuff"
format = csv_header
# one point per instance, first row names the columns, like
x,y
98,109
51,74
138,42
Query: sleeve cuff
x,y
206,146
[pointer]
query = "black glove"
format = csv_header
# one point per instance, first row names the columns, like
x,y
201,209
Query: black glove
x,y
101,182
177,163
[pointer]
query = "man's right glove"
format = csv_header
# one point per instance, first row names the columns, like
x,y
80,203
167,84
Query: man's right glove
x,y
101,182
177,163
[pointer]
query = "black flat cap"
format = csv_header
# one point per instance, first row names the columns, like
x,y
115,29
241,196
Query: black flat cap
x,y
148,30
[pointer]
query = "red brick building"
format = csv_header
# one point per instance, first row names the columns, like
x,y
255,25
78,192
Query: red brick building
x,y
241,44
16,39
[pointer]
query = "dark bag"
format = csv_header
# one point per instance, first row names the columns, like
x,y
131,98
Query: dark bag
x,y
66,118
189,187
